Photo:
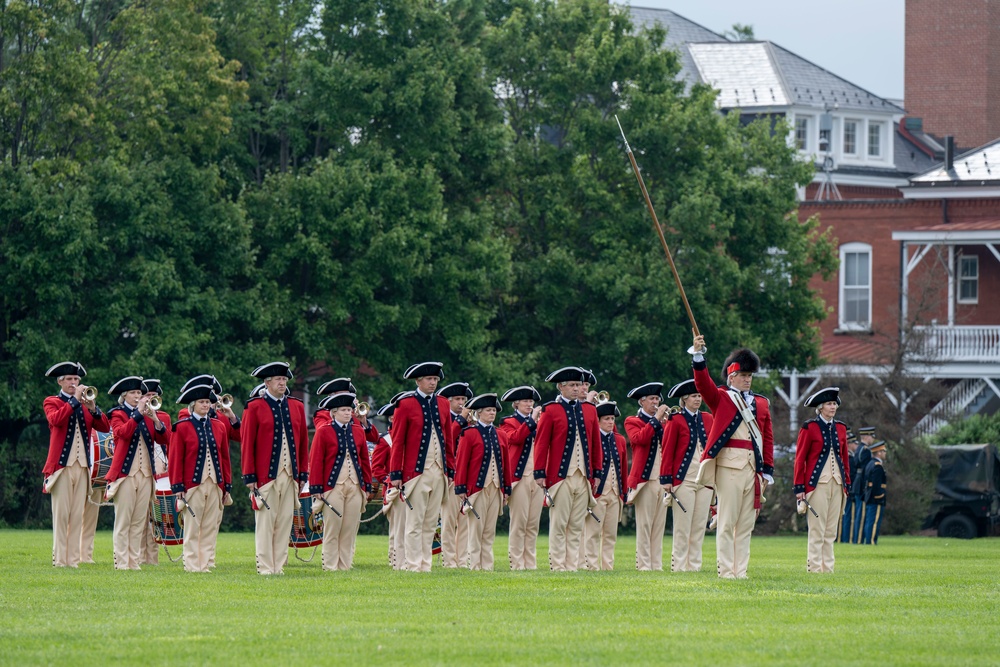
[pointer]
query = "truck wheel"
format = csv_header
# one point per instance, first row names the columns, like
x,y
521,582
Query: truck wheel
x,y
957,526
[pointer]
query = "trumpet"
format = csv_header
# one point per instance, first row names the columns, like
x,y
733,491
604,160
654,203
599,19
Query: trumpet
x,y
362,409
154,403
473,417
225,402
603,397
90,393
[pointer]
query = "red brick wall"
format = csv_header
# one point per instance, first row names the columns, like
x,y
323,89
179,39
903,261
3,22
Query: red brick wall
x,y
952,74
853,192
873,223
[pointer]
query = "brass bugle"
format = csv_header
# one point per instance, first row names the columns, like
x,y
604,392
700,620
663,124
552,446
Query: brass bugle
x,y
226,401
603,397
154,403
90,393
363,409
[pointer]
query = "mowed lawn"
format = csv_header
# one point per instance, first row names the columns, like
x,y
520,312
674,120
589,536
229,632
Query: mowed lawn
x,y
909,600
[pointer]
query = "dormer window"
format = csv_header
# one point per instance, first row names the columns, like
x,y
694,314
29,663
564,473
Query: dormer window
x,y
875,140
802,133
851,137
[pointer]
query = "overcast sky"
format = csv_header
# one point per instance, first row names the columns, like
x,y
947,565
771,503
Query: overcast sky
x,y
858,40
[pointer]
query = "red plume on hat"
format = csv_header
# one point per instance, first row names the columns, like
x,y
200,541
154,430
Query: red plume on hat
x,y
742,360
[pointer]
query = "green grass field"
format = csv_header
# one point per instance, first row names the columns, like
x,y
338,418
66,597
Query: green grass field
x,y
909,600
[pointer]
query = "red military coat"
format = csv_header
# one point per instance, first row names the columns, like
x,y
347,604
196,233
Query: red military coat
x,y
380,463
409,445
473,464
232,430
124,428
258,449
58,413
678,449
327,457
519,432
646,437
187,456
323,417
551,455
727,419
809,458
610,459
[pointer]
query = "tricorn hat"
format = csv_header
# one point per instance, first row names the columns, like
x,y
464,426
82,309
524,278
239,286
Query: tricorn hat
x,y
522,393
273,369
742,360
130,383
680,389
255,392
648,389
608,408
567,374
484,401
198,392
424,369
66,368
456,389
340,400
823,396
203,379
152,386
335,386
589,377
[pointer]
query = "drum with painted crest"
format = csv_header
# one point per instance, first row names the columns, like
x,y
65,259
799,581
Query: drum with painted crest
x,y
168,523
102,451
307,528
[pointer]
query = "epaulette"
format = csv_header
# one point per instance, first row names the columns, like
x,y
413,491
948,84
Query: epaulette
x,y
768,400
292,398
173,426
545,405
255,398
114,409
319,410
837,421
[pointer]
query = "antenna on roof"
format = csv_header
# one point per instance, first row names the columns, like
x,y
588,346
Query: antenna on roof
x,y
827,188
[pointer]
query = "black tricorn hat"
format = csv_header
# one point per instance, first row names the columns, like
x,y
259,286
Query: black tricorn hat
x,y
271,370
339,400
823,396
608,408
203,379
66,368
685,388
456,389
648,389
522,393
589,377
198,392
567,374
484,401
130,383
336,386
742,360
255,392
424,369
152,385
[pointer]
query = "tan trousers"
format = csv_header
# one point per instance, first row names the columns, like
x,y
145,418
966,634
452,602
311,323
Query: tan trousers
x,y
828,501
736,516
202,530
69,496
650,525
689,527
454,530
426,493
341,532
566,516
600,538
131,520
397,534
525,503
149,552
91,510
483,531
274,526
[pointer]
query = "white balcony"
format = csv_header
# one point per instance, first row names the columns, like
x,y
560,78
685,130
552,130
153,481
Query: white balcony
x,y
957,344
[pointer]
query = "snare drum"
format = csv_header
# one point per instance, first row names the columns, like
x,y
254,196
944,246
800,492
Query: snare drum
x,y
168,523
307,528
102,450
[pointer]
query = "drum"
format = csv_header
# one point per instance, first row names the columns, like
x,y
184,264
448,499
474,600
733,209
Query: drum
x,y
102,450
307,528
168,524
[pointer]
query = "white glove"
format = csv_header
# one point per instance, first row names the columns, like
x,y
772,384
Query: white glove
x,y
768,479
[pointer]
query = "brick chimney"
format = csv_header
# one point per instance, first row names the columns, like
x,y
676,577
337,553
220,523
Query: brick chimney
x,y
953,68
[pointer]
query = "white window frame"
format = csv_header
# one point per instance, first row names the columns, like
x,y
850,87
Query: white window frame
x,y
858,124
882,139
974,279
807,138
842,323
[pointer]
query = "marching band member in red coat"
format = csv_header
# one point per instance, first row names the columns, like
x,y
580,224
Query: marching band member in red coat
x,y
739,457
149,552
392,505
421,461
822,476
645,433
684,444
526,498
274,444
201,475
71,416
137,428
340,477
217,411
567,452
602,528
479,479
322,415
454,524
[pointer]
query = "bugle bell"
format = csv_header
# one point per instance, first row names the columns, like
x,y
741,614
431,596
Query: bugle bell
x,y
363,409
90,393
154,403
225,401
603,397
